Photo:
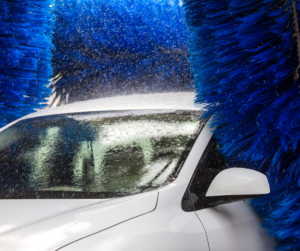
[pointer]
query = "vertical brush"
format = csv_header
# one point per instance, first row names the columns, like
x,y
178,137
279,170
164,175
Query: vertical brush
x,y
25,56
245,59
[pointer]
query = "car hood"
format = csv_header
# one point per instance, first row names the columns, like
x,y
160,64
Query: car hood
x,y
38,225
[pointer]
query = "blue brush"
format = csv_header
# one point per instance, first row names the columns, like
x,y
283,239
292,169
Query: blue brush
x,y
25,56
281,213
105,48
245,59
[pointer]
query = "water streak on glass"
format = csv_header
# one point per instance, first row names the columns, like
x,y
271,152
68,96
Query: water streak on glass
x,y
115,152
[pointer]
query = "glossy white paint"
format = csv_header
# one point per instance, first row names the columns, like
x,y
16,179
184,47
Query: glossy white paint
x,y
18,214
144,222
196,152
229,227
166,228
50,233
239,181
168,101
234,227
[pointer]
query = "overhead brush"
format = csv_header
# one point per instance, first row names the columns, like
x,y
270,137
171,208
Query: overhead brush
x,y
105,48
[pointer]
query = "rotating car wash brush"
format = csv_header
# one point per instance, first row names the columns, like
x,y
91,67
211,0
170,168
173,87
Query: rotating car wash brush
x,y
245,59
105,48
25,56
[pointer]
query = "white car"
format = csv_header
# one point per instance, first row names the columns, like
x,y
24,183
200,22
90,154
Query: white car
x,y
128,173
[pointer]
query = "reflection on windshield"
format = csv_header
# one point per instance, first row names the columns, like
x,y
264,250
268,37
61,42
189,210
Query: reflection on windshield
x,y
115,152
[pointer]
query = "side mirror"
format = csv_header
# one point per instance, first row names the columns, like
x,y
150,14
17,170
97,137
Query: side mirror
x,y
238,181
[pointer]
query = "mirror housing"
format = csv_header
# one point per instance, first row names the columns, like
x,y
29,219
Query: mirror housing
x,y
238,181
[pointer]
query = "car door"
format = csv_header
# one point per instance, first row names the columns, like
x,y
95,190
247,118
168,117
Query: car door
x,y
230,225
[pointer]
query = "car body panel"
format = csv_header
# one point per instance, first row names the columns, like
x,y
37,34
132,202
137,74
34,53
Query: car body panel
x,y
196,152
18,214
147,221
234,226
168,227
54,232
167,101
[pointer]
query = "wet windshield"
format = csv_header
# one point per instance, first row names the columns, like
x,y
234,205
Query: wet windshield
x,y
93,155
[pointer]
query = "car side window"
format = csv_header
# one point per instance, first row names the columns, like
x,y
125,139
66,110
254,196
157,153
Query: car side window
x,y
211,163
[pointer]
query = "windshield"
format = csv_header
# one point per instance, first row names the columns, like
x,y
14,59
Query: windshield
x,y
93,155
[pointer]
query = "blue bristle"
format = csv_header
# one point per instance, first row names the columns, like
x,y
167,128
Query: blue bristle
x,y
25,56
281,212
104,48
245,61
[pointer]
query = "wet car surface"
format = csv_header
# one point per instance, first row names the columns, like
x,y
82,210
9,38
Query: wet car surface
x,y
124,173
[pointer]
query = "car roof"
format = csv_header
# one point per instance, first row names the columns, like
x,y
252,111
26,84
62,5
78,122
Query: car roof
x,y
173,101
153,101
